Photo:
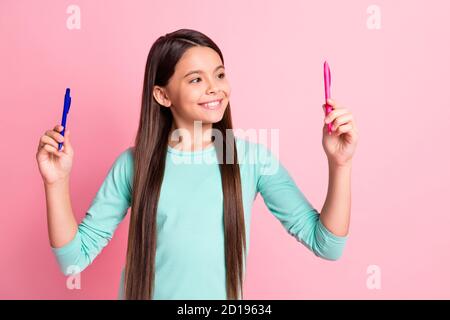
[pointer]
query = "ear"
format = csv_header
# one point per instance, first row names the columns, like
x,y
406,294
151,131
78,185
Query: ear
x,y
160,95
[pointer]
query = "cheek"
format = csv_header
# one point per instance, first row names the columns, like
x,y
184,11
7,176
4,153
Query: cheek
x,y
192,96
226,88
188,97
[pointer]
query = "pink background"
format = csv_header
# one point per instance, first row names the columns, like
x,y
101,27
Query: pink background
x,y
394,80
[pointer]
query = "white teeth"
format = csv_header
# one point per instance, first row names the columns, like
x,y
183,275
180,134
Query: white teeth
x,y
211,105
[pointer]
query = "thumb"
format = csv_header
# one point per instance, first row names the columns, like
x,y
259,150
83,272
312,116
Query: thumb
x,y
325,130
67,145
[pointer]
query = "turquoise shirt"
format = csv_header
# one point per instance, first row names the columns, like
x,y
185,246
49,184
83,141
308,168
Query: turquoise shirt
x,y
190,253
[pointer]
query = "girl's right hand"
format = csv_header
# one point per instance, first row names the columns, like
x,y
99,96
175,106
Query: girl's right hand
x,y
54,165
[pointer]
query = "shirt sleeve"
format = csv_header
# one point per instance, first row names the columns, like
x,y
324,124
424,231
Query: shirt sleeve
x,y
289,205
108,208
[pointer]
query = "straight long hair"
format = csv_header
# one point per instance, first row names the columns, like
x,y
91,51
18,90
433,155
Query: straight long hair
x,y
149,155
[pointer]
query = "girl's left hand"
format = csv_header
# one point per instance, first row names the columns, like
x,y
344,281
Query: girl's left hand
x,y
341,144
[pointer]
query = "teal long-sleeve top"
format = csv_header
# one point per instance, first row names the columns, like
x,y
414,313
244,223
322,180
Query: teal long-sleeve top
x,y
190,253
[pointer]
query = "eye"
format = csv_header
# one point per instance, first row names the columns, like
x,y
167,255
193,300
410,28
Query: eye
x,y
221,74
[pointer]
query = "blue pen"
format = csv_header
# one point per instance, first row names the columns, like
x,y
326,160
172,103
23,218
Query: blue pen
x,y
67,101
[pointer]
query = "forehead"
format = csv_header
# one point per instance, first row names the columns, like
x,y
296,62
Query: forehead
x,y
198,58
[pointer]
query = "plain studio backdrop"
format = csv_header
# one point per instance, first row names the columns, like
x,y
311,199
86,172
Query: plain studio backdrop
x,y
390,67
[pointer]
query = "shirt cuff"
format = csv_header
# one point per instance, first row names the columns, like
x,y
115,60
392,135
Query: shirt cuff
x,y
329,236
71,246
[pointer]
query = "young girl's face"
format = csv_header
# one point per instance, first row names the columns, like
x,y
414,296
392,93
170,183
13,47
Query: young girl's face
x,y
199,77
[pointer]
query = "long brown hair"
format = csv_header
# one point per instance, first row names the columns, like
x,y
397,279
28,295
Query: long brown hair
x,y
149,163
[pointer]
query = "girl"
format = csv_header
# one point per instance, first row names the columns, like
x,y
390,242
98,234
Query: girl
x,y
190,209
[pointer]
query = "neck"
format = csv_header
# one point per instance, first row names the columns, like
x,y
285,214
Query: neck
x,y
194,137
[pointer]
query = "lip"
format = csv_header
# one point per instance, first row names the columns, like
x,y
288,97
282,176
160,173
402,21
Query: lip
x,y
214,108
220,100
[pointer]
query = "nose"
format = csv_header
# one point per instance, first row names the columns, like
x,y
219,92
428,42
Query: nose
x,y
212,86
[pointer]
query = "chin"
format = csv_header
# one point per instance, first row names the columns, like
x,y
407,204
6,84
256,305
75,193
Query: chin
x,y
211,119
211,116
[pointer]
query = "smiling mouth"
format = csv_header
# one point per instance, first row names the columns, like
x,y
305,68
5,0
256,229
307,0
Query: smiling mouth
x,y
212,105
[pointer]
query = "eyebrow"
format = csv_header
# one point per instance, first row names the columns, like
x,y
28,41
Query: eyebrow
x,y
200,71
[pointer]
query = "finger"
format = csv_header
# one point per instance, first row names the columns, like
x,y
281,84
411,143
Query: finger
x,y
55,135
344,128
342,119
351,121
334,104
48,140
334,114
58,128
67,145
52,150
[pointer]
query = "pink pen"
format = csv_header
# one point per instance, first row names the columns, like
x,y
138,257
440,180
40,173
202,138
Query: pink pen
x,y
327,82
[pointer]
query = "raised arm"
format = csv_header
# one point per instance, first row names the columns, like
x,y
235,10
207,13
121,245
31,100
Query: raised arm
x,y
107,210
339,146
289,205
